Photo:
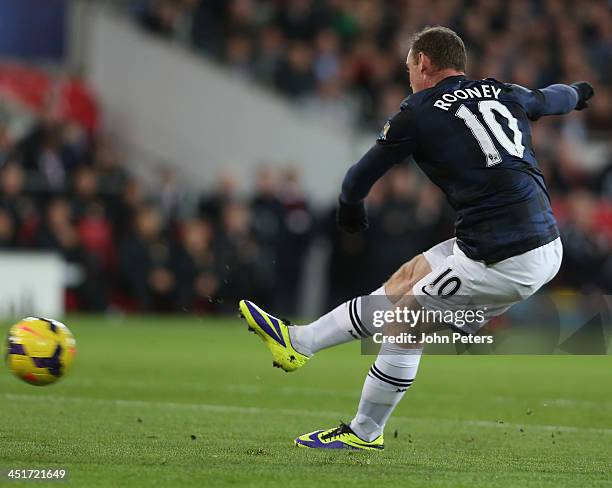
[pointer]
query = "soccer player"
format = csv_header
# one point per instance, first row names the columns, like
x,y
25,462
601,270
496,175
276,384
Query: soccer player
x,y
472,139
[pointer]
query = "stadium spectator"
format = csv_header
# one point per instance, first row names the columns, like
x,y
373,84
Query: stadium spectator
x,y
587,260
11,186
84,190
224,192
169,196
297,228
295,74
20,207
161,17
146,258
122,208
6,143
246,268
84,280
269,54
8,234
112,176
197,269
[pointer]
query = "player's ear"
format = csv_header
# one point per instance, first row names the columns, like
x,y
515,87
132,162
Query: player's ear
x,y
424,63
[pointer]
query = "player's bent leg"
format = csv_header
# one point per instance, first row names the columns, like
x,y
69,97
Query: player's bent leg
x,y
345,323
388,378
397,363
274,333
460,284
402,281
387,381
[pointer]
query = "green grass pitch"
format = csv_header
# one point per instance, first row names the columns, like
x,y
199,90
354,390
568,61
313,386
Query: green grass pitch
x,y
190,402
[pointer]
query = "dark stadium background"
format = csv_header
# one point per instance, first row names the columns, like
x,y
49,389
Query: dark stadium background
x,y
66,186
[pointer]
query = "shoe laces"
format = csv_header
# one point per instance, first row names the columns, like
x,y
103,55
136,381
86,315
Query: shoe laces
x,y
342,429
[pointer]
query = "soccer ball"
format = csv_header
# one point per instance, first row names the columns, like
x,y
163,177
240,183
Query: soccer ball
x,y
40,351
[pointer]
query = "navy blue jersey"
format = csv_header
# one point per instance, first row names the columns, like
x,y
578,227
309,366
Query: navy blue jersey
x,y
472,139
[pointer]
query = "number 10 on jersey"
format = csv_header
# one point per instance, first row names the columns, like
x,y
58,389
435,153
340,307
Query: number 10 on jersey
x,y
486,108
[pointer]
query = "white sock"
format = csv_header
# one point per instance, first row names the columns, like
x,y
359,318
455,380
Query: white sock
x,y
388,379
342,324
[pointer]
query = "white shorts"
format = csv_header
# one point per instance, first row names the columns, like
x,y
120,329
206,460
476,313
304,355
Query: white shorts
x,y
458,283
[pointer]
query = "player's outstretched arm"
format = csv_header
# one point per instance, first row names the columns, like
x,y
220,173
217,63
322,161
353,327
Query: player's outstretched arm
x,y
393,146
351,215
555,99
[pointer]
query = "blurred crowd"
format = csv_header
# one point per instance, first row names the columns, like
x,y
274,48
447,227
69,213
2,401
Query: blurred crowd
x,y
345,58
137,247
150,249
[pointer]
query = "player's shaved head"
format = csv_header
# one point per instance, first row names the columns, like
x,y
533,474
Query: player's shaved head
x,y
442,46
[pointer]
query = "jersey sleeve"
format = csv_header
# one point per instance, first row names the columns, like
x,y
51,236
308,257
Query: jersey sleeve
x,y
394,144
553,100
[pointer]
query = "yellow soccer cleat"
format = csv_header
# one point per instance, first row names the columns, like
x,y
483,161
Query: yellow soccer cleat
x,y
341,437
275,334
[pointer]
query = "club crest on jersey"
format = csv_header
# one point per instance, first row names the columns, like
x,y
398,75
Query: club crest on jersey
x,y
383,133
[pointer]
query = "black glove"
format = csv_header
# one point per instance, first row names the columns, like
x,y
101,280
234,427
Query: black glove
x,y
351,217
585,92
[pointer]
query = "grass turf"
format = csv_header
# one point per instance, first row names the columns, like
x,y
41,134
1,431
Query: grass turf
x,y
187,402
